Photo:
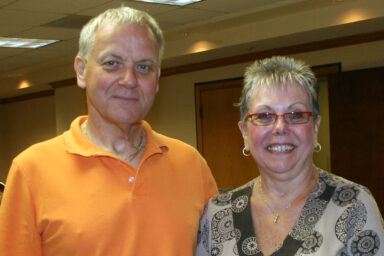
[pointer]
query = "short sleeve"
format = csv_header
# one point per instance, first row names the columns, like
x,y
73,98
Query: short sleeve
x,y
18,232
369,240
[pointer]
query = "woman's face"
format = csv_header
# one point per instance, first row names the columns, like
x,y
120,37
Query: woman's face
x,y
281,147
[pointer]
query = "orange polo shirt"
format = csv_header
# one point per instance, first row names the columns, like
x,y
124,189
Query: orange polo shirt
x,y
66,196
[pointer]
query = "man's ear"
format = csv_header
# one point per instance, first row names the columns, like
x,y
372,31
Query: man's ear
x,y
158,78
79,66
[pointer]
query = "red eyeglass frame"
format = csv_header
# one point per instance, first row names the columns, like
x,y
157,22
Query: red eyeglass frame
x,y
282,115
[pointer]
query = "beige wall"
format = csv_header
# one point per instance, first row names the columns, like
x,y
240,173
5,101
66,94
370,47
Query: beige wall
x,y
174,109
69,103
27,122
323,158
3,158
24,123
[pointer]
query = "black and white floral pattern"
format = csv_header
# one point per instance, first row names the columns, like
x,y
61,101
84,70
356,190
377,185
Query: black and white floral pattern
x,y
222,199
222,226
240,203
345,195
249,246
217,250
351,221
365,243
339,218
311,243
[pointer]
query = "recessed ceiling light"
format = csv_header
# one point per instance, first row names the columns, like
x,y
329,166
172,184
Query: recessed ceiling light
x,y
24,42
171,2
24,84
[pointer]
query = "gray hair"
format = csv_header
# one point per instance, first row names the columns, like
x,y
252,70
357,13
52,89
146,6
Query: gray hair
x,y
277,72
118,16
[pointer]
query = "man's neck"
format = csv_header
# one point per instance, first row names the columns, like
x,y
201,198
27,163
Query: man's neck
x,y
125,142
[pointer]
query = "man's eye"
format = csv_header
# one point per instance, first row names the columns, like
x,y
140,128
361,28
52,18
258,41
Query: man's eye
x,y
111,63
143,67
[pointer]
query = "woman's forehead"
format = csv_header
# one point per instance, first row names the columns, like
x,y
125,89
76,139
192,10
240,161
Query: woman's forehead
x,y
276,94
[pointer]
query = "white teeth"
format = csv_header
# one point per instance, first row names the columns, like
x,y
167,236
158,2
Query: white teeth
x,y
281,148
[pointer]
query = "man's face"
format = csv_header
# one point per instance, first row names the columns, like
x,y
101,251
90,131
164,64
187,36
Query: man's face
x,y
121,75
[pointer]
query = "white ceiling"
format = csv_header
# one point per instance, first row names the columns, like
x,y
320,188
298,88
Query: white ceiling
x,y
63,19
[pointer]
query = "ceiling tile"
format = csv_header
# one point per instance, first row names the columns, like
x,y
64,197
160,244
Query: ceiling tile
x,y
26,18
150,8
8,52
14,62
48,33
4,3
230,6
71,21
55,6
10,30
167,26
184,16
33,56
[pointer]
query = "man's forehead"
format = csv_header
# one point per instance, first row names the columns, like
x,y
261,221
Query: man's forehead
x,y
108,34
108,25
109,31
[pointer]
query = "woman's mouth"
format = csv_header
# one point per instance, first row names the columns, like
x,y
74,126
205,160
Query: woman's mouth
x,y
280,148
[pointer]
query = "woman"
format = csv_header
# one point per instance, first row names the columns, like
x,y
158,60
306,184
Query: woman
x,y
293,207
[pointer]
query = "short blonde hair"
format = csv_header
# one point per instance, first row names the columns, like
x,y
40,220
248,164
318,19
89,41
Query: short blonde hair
x,y
278,71
118,16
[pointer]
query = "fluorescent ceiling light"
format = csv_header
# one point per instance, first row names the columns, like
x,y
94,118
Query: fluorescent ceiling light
x,y
171,2
24,43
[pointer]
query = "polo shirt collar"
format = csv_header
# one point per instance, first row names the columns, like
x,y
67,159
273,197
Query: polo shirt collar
x,y
76,143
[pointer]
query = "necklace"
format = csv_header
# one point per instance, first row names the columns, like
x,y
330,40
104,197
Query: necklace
x,y
276,214
137,148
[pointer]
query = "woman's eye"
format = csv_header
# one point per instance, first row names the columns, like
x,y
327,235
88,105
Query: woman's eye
x,y
263,116
296,115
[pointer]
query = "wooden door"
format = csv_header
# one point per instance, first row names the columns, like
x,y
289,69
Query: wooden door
x,y
356,103
219,139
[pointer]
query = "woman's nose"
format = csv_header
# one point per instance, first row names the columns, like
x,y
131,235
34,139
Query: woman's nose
x,y
280,126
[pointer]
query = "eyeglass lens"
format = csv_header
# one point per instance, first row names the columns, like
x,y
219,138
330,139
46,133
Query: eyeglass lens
x,y
270,118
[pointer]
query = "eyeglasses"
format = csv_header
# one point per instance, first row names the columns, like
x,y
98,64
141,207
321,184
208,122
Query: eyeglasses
x,y
266,118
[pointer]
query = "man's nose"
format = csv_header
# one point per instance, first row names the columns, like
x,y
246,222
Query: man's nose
x,y
128,77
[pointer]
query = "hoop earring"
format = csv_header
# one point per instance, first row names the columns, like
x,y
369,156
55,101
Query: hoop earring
x,y
245,153
317,147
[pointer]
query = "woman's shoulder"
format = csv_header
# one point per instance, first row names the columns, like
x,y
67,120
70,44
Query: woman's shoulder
x,y
227,195
347,193
341,183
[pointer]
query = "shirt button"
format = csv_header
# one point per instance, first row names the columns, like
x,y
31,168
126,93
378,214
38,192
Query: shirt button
x,y
131,179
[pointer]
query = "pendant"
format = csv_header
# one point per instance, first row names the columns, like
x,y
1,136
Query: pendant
x,y
276,218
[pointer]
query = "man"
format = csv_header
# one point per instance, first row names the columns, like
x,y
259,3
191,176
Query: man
x,y
110,185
